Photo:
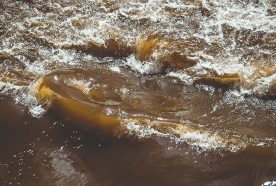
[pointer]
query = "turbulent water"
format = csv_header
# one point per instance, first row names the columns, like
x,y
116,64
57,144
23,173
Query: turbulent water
x,y
140,92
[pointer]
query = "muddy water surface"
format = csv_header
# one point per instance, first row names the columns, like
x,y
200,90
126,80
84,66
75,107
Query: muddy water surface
x,y
48,152
137,92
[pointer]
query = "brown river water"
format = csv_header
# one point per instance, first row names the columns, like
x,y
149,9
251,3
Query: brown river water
x,y
139,92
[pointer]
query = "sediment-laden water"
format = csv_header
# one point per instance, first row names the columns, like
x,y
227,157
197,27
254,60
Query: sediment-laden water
x,y
140,92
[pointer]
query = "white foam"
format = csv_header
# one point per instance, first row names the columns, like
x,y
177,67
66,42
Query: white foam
x,y
263,84
22,95
37,111
247,16
196,139
182,76
115,69
203,141
9,88
152,10
142,67
93,35
142,131
64,170
124,90
269,183
80,83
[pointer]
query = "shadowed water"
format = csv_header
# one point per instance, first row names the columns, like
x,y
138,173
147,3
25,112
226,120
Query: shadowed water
x,y
46,152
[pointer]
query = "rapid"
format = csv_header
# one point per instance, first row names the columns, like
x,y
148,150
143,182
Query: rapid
x,y
140,92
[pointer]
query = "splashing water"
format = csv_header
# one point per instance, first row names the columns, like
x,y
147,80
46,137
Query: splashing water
x,y
196,73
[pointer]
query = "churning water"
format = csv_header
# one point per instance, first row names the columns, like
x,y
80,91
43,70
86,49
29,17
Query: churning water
x,y
140,92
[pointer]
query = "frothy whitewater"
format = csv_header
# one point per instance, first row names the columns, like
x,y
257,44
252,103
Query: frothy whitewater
x,y
216,58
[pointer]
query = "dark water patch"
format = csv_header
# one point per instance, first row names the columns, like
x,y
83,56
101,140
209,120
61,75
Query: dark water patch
x,y
48,152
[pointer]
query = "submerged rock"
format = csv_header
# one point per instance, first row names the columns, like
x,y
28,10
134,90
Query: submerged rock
x,y
169,52
223,80
71,100
97,99
110,48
